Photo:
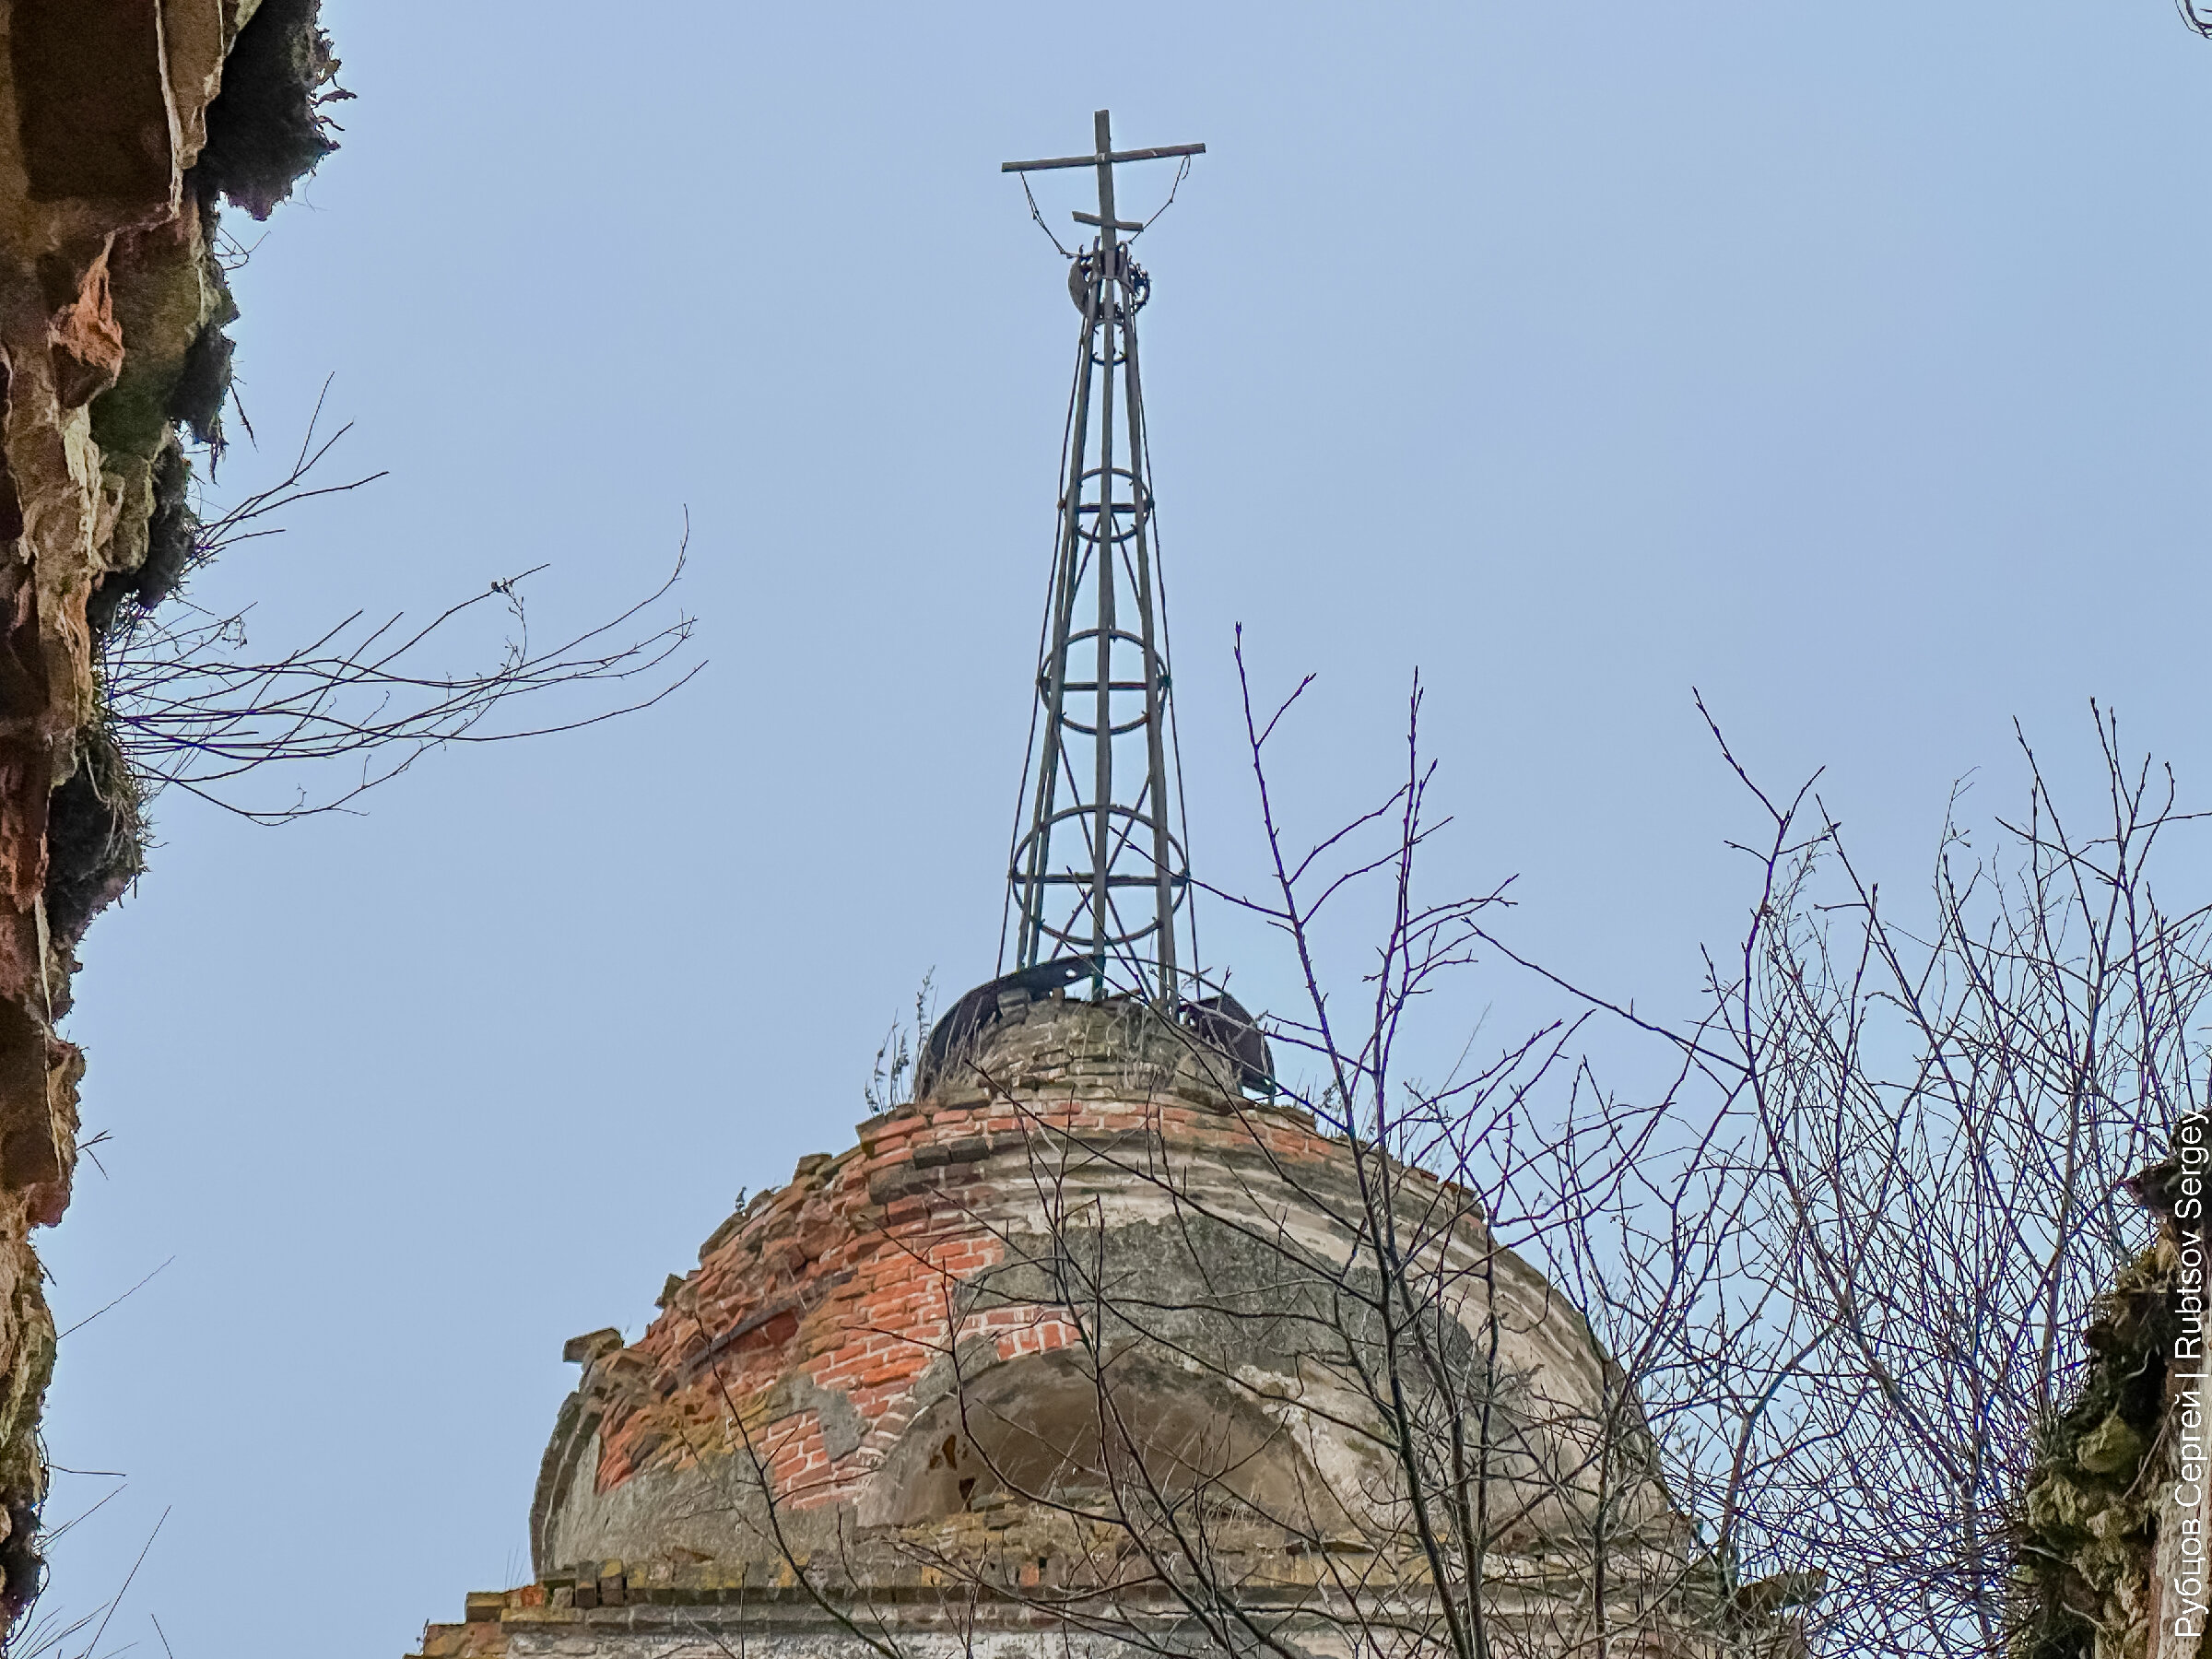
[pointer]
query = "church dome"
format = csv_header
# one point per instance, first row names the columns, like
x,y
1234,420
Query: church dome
x,y
1085,1263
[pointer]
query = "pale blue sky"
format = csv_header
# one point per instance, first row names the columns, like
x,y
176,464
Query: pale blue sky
x,y
1852,364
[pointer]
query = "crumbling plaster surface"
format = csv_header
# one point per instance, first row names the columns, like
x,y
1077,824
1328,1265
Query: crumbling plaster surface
x,y
887,1328
108,287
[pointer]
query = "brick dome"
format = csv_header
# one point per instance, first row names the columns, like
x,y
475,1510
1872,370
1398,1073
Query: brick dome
x,y
909,1400
883,1343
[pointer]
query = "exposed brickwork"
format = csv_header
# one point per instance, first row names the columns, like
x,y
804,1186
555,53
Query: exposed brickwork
x,y
879,1347
849,1276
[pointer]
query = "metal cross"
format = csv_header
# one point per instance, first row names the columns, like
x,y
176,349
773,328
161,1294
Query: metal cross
x,y
1080,853
1105,159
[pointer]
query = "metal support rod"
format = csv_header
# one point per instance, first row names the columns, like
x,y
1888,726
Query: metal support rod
x,y
1156,759
1064,604
1103,527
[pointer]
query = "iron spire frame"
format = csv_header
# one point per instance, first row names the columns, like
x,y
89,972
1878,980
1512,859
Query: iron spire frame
x,y
1090,832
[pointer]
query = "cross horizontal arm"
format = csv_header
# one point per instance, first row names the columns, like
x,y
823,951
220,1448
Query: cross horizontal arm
x,y
1092,218
1139,155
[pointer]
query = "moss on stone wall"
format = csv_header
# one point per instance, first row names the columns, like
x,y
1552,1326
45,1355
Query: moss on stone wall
x,y
173,305
267,129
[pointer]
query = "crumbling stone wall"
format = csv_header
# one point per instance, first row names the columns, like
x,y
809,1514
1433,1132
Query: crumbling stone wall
x,y
123,124
2088,1524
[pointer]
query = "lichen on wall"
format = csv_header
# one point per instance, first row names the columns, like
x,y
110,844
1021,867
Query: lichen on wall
x,y
2088,1521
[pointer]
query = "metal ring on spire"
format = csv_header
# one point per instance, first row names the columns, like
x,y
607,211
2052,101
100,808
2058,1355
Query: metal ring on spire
x,y
1087,270
1074,932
